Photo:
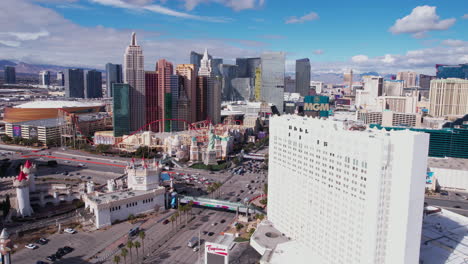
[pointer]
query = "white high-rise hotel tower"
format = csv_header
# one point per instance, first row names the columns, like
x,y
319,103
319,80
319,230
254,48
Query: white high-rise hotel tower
x,y
134,75
346,196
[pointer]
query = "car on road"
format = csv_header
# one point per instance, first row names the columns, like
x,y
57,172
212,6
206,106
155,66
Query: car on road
x,y
51,257
69,230
214,224
65,173
89,177
67,249
205,232
134,231
165,222
210,233
195,249
456,206
42,241
31,246
222,221
81,165
443,193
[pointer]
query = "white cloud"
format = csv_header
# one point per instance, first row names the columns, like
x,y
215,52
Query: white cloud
x,y
70,44
236,5
157,9
454,42
318,52
28,35
388,59
465,16
359,58
10,43
421,20
308,17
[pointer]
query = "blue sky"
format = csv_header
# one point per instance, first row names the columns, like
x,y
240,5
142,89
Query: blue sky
x,y
384,36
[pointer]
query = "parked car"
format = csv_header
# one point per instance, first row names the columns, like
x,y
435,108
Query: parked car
x,y
67,249
165,222
51,257
31,246
69,230
42,241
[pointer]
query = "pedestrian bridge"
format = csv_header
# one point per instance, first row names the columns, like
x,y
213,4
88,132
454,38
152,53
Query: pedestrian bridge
x,y
254,156
214,203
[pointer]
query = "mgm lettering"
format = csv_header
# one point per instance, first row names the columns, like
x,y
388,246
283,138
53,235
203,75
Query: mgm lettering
x,y
316,107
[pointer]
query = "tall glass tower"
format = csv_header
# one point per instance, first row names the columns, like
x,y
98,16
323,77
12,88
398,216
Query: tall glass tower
x,y
272,71
303,76
113,75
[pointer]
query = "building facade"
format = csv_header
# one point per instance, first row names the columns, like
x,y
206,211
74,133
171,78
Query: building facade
x,y
213,93
165,70
452,71
60,78
201,102
348,82
302,76
408,78
74,83
389,118
189,73
113,75
272,83
134,76
448,97
343,203
9,74
425,81
151,92
393,87
121,109
44,77
93,84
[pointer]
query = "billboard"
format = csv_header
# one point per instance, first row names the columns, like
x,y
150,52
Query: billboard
x,y
16,131
316,105
216,253
342,101
33,133
429,177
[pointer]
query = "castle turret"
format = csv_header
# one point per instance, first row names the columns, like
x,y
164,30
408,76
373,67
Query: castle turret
x,y
5,247
90,187
144,177
110,185
21,183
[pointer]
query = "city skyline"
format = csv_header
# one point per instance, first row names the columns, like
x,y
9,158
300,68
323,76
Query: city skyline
x,y
409,37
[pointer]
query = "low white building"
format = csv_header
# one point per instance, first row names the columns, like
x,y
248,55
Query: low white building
x,y
143,195
449,173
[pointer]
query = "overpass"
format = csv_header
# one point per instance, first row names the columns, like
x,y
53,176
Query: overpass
x,y
213,203
254,156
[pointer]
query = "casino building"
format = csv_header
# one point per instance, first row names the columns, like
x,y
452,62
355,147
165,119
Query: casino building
x,y
142,195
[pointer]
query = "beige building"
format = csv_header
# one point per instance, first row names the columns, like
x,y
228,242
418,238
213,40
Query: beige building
x,y
408,78
401,104
189,74
389,118
448,97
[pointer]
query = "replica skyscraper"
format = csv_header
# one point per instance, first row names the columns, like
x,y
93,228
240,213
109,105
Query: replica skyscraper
x,y
134,75
213,89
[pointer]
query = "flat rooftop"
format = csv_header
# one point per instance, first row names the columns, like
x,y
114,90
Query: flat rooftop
x,y
58,104
444,238
448,163
117,196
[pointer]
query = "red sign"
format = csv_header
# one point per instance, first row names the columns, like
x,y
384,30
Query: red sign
x,y
216,250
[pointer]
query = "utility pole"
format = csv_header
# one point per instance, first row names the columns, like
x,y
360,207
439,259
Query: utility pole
x,y
199,246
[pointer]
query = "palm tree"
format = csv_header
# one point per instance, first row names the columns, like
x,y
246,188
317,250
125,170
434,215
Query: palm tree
x,y
130,246
177,217
137,246
116,259
173,218
124,254
142,236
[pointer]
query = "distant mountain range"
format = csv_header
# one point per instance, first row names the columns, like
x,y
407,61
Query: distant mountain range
x,y
27,68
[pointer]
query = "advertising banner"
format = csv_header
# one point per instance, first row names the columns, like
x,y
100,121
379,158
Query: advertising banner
x,y
316,105
16,131
33,133
216,253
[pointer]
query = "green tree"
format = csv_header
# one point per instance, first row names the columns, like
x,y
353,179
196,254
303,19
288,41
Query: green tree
x,y
172,219
177,217
116,259
142,236
239,226
101,148
130,246
124,254
137,246
6,139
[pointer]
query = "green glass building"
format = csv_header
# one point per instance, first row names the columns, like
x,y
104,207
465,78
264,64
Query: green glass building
x,y
121,109
445,142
